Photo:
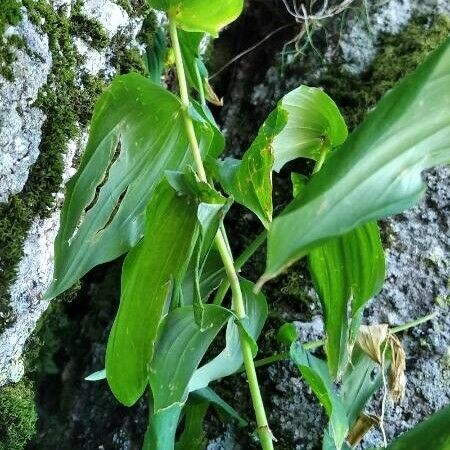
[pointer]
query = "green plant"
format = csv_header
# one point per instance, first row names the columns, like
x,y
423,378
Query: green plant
x,y
137,192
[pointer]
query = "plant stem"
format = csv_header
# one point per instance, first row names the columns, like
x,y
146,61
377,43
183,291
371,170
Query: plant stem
x,y
221,243
315,344
240,261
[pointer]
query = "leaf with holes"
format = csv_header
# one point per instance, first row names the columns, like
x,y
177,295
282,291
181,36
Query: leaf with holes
x,y
376,173
306,123
149,273
181,346
347,269
136,133
209,16
315,372
230,360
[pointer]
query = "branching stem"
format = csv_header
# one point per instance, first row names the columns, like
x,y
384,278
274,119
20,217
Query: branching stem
x,y
225,253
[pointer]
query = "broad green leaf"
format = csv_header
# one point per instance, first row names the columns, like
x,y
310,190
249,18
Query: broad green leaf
x,y
149,273
433,434
137,132
209,16
315,372
313,128
193,435
376,173
346,270
154,56
180,348
306,123
220,404
230,359
250,181
360,381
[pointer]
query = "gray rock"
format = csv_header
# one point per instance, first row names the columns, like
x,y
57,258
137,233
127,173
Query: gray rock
x,y
20,121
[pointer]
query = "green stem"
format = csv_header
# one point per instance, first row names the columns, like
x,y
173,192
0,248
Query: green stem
x,y
240,261
221,243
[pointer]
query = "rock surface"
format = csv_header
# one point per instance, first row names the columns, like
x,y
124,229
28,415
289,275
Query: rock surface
x,y
20,121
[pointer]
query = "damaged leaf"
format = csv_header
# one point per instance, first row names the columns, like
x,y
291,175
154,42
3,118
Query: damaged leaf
x,y
137,132
306,123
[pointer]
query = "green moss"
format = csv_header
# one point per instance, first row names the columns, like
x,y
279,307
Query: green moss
x,y
124,58
9,15
134,8
18,416
399,55
87,29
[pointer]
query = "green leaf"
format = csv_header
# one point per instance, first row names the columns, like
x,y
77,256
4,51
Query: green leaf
x,y
193,436
137,132
210,217
180,348
230,360
347,269
154,56
287,333
433,434
250,181
212,207
220,404
306,123
149,273
210,278
298,183
196,71
361,380
315,372
314,126
209,16
376,173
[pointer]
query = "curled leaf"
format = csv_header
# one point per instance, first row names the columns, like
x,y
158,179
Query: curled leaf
x,y
362,425
371,338
397,377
